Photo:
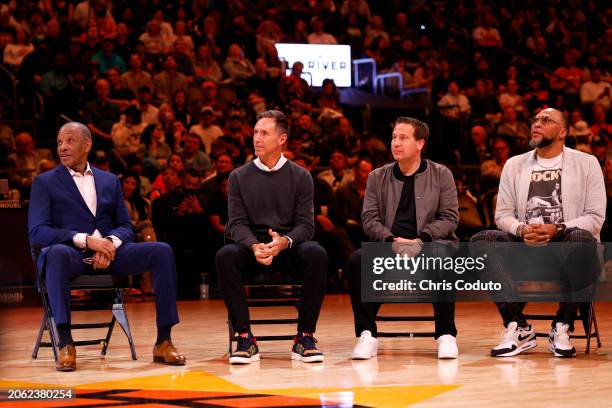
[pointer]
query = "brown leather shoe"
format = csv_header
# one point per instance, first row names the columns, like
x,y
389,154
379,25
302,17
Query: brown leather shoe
x,y
66,360
165,353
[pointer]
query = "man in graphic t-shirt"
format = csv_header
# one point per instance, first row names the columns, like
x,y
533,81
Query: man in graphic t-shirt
x,y
550,194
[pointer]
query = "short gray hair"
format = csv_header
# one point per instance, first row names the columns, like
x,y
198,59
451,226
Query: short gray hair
x,y
77,127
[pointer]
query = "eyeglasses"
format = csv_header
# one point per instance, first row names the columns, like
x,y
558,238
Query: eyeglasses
x,y
544,120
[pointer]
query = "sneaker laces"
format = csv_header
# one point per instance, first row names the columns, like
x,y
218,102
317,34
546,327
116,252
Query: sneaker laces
x,y
243,344
508,333
562,332
309,342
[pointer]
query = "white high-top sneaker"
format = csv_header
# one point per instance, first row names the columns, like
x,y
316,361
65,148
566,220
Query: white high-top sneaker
x,y
366,347
447,347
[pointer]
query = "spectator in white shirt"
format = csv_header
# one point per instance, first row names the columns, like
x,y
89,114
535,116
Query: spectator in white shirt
x,y
154,41
206,129
511,97
595,90
149,112
454,104
15,52
318,36
486,35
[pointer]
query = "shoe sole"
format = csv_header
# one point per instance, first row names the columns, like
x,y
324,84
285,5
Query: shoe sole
x,y
306,359
244,360
526,346
448,356
65,369
357,357
551,348
162,361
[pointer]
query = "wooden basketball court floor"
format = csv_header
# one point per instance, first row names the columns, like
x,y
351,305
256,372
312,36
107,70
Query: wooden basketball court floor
x,y
406,372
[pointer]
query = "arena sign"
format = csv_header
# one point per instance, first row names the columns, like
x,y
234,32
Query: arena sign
x,y
320,61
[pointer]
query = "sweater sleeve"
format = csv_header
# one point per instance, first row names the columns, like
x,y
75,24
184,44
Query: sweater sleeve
x,y
303,211
238,220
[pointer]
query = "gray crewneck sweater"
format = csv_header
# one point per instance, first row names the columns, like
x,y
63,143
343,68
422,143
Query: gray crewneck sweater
x,y
280,200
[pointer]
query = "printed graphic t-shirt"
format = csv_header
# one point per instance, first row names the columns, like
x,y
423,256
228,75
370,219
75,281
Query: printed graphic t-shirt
x,y
544,200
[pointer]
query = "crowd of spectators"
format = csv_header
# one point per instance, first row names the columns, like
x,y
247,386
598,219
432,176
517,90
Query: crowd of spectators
x,y
170,90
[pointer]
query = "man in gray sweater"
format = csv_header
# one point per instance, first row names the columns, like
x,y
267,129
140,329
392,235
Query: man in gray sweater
x,y
271,220
406,203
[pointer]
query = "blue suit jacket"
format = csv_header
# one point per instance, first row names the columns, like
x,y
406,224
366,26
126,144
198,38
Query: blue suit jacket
x,y
57,210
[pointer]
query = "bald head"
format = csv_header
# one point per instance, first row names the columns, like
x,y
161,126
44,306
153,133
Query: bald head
x,y
77,129
557,115
73,145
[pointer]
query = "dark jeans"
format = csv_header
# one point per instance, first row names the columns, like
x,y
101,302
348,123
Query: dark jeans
x,y
365,313
573,263
306,261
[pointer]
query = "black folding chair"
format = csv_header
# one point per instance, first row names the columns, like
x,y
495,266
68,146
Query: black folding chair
x,y
548,288
272,288
107,294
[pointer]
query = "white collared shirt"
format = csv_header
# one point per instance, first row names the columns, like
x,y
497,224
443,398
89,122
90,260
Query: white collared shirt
x,y
87,187
276,167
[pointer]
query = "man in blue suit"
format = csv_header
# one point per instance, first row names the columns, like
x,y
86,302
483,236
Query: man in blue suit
x,y
77,217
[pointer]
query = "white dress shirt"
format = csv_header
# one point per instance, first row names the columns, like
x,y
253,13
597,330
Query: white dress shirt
x,y
87,187
276,167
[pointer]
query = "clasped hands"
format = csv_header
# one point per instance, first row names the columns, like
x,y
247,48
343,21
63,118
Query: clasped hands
x,y
538,234
407,247
265,253
104,251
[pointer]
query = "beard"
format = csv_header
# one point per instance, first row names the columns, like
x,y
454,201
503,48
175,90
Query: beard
x,y
544,142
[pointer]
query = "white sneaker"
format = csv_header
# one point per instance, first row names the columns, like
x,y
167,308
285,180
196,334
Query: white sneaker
x,y
366,347
447,346
559,341
515,340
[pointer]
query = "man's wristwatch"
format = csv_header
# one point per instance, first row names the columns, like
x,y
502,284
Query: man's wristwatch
x,y
560,230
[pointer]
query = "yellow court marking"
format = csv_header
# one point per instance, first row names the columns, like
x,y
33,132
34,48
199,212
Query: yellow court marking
x,y
388,396
183,381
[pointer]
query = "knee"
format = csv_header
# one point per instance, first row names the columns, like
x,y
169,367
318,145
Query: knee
x,y
161,250
227,253
59,253
354,261
312,251
485,235
578,235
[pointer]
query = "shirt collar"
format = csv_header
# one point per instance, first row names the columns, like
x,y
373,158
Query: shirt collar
x,y
77,174
397,173
276,167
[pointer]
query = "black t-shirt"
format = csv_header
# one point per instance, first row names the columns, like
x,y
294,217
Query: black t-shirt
x,y
404,224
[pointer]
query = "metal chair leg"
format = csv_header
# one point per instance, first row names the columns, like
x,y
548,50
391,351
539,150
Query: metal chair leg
x,y
588,326
41,331
121,316
596,332
54,336
231,333
111,326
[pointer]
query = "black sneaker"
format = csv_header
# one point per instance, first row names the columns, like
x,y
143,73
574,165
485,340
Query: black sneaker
x,y
305,349
246,351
